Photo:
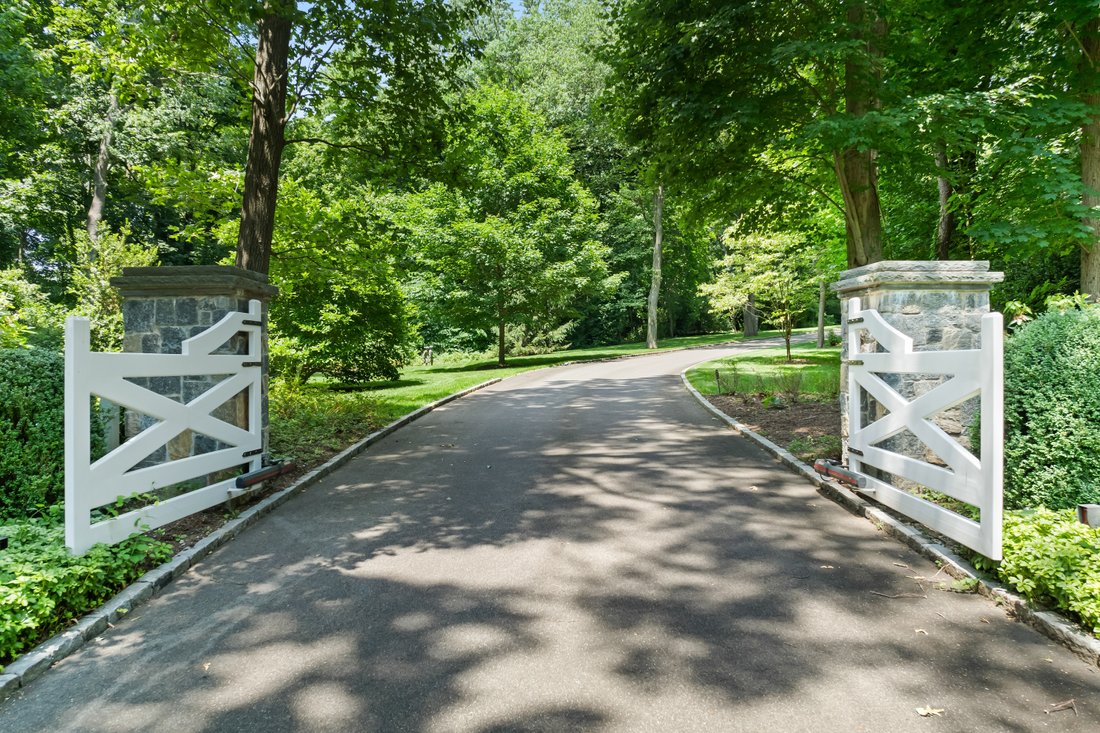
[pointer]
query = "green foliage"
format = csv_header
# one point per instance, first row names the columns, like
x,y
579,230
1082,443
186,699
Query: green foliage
x,y
340,311
309,422
1052,411
33,319
815,446
512,241
1050,557
814,372
781,271
43,588
96,299
12,333
32,424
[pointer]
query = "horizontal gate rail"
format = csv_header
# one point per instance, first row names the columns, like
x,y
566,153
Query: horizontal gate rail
x,y
972,372
89,374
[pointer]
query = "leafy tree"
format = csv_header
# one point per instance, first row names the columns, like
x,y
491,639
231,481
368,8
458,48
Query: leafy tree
x,y
396,57
780,270
778,89
340,310
513,241
30,318
96,263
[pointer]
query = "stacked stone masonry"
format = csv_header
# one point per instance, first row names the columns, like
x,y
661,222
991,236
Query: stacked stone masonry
x,y
163,307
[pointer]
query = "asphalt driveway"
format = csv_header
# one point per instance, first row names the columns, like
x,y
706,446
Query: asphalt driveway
x,y
573,549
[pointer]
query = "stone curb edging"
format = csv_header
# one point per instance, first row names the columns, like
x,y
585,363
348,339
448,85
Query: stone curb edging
x,y
33,663
1052,625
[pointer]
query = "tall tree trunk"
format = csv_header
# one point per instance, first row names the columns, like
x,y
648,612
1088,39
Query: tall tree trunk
x,y
751,327
945,229
655,281
1090,155
821,315
500,343
856,169
99,174
266,138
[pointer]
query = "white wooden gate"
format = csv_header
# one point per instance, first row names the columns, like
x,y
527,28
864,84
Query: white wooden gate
x,y
90,485
965,477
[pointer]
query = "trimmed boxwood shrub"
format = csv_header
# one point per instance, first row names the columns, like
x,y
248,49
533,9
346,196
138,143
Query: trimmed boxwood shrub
x,y
1052,411
32,431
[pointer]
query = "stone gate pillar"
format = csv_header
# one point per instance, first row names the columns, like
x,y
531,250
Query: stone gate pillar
x,y
940,305
164,306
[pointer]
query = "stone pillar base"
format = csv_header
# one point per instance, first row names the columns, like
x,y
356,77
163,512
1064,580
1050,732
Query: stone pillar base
x,y
940,306
164,306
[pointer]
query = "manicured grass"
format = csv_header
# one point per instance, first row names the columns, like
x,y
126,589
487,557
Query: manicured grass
x,y
814,372
315,419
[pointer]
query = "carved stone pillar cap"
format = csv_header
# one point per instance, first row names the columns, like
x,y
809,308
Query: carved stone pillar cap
x,y
193,280
918,275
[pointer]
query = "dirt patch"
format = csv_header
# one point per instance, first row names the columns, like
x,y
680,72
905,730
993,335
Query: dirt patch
x,y
809,429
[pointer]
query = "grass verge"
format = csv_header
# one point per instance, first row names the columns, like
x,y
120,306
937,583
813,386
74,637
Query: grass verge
x,y
813,372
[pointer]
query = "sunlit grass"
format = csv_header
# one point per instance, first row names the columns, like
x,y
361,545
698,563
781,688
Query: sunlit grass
x,y
814,372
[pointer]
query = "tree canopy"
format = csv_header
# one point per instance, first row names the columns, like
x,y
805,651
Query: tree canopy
x,y
460,174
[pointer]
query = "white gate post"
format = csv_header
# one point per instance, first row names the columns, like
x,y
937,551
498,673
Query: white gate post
x,y
901,437
938,304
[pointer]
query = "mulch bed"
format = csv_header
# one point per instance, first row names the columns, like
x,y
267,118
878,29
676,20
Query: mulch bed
x,y
813,421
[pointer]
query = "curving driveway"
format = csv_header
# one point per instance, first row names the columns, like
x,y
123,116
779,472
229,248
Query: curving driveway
x,y
579,548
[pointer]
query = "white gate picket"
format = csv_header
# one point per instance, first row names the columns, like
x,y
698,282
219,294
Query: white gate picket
x,y
971,372
91,484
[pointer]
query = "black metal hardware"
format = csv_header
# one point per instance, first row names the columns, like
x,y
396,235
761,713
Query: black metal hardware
x,y
252,364
857,451
857,319
254,477
248,453
250,322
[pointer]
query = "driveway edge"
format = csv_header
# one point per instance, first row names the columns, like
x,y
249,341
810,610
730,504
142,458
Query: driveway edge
x,y
33,663
1049,623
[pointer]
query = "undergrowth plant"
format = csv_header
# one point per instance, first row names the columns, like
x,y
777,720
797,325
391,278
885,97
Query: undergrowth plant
x,y
1051,558
43,587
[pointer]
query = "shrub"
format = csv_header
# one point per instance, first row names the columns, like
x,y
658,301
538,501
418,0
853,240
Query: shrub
x,y
1051,557
27,317
352,331
43,587
32,425
1052,411
308,422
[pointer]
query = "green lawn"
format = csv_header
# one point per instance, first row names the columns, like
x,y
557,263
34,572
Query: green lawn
x,y
814,372
309,421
